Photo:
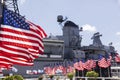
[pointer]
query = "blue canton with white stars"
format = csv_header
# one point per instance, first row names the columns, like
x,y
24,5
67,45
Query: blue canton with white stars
x,y
15,20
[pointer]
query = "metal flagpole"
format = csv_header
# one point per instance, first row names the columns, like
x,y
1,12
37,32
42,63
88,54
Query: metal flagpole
x,y
109,71
2,8
82,73
100,72
78,73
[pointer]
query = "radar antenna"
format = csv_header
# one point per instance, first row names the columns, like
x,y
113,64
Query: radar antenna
x,y
11,4
60,19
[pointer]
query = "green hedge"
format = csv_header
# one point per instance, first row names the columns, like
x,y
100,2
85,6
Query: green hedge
x,y
70,75
92,74
40,77
14,77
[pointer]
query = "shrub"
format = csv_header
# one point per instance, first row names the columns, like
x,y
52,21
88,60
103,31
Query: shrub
x,y
58,78
15,77
92,74
40,78
51,76
18,77
70,75
9,78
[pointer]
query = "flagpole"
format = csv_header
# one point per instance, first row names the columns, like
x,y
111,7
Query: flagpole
x,y
3,4
78,73
109,71
82,73
2,10
100,72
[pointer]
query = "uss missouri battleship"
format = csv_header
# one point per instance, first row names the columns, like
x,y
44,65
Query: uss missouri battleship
x,y
66,48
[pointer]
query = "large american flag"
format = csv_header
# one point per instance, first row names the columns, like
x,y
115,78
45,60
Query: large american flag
x,y
20,40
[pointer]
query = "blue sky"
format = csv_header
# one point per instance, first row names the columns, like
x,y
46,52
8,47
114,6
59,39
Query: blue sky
x,y
93,15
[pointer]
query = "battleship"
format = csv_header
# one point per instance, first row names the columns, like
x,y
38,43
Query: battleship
x,y
66,48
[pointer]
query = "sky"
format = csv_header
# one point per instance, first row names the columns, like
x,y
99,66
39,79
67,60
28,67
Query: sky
x,y
93,15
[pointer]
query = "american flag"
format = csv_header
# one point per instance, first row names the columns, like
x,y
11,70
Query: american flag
x,y
70,69
89,64
48,70
21,41
117,57
5,65
81,66
92,63
76,65
63,68
103,63
109,60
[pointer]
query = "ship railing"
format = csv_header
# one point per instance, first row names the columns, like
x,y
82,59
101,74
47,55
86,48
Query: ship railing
x,y
95,78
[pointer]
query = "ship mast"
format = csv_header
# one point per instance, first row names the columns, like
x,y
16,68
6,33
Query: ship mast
x,y
11,4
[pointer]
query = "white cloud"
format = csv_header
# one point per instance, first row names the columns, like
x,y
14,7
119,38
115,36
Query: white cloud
x,y
22,1
118,33
89,28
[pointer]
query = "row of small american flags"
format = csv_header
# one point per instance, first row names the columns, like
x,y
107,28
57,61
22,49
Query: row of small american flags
x,y
20,40
69,66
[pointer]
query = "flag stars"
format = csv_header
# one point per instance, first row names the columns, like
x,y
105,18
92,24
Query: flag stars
x,y
23,26
15,20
